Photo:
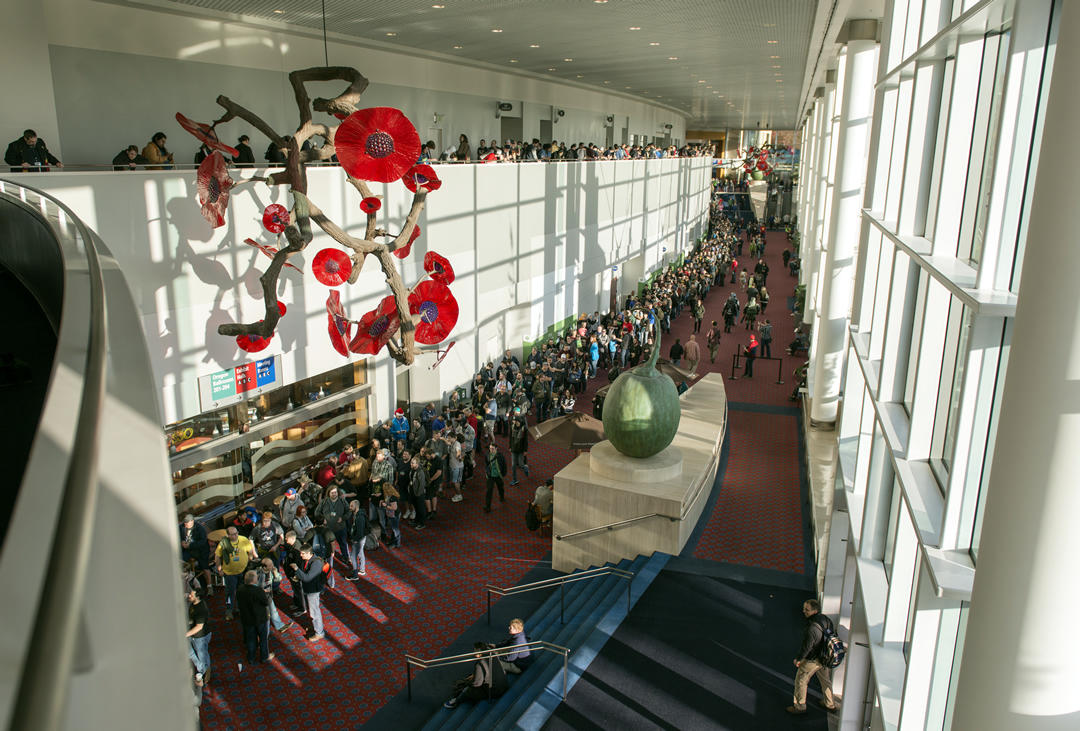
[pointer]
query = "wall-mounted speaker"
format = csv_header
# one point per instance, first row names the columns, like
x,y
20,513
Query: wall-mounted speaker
x,y
505,106
561,112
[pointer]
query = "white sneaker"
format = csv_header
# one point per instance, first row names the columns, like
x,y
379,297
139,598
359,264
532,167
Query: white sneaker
x,y
457,499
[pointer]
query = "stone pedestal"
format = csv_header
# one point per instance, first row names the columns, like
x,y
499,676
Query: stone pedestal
x,y
606,487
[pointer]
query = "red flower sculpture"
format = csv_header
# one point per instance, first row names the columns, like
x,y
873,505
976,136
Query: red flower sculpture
x,y
269,251
376,327
252,343
281,308
403,252
275,218
439,267
438,311
205,134
377,144
338,326
421,177
213,183
332,267
370,205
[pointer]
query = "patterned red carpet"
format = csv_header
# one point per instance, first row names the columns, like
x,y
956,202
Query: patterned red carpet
x,y
422,596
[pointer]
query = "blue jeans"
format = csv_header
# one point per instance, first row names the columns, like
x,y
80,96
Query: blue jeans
x,y
314,609
232,582
356,555
517,459
275,617
257,640
199,652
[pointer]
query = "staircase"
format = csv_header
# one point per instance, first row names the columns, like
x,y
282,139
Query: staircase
x,y
593,610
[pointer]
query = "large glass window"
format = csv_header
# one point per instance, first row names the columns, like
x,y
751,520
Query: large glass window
x,y
952,377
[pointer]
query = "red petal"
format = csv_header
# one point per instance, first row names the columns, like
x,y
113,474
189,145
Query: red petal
x,y
439,267
252,343
368,132
370,204
275,218
433,300
338,326
205,133
332,267
421,177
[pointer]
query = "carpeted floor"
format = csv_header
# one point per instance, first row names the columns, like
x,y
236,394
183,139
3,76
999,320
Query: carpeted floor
x,y
422,597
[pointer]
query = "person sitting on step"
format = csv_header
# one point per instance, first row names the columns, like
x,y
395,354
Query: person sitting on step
x,y
487,681
516,662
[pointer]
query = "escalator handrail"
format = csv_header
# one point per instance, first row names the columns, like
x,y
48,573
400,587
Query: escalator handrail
x,y
44,682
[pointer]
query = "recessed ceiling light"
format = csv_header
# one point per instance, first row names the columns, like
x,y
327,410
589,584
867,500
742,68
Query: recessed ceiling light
x,y
626,87
438,7
708,87
672,58
499,30
551,69
279,12
654,43
581,76
607,82
701,81
457,48
391,34
599,2
534,45
776,67
635,27
568,60
774,57
772,41
779,81
513,60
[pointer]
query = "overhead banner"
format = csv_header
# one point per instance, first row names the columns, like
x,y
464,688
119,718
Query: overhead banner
x,y
240,383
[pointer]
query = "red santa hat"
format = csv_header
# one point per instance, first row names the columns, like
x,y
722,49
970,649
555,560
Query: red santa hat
x,y
399,412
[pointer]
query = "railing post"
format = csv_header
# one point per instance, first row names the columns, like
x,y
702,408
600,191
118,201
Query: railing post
x,y
780,370
734,365
565,662
629,586
489,606
562,598
408,677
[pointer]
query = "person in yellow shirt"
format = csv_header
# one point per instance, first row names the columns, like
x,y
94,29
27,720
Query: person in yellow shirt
x,y
231,558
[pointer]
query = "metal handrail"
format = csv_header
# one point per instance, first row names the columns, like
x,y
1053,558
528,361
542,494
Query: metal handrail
x,y
44,687
682,516
561,582
438,662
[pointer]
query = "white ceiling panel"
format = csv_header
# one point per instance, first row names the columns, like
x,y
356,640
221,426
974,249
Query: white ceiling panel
x,y
722,63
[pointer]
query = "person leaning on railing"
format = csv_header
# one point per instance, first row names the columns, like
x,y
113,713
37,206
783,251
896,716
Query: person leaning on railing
x,y
128,159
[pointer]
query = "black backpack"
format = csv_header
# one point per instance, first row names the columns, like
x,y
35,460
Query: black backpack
x,y
531,521
832,647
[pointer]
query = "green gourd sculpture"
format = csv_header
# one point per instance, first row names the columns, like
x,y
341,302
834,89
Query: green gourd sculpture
x,y
641,411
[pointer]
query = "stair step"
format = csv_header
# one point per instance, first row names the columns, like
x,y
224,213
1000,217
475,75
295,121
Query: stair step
x,y
547,700
540,625
580,616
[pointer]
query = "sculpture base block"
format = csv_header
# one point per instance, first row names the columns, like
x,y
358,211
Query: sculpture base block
x,y
640,505
606,461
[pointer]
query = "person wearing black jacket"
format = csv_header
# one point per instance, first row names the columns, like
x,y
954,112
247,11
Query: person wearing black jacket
x,y
310,573
29,154
809,660
254,605
246,158
290,558
356,530
487,682
128,159
676,352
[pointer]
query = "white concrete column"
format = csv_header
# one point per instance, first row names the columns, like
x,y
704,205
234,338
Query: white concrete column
x,y
28,83
817,212
838,267
1023,638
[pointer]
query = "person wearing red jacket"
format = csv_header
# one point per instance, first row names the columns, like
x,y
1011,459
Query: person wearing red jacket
x,y
751,353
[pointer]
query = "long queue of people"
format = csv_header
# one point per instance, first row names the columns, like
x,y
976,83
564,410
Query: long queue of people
x,y
359,499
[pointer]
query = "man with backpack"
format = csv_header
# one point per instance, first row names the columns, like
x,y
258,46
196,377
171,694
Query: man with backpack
x,y
816,657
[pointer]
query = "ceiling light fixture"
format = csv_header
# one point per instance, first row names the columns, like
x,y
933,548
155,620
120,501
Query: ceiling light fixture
x,y
279,12
774,57
701,81
654,43
551,69
635,27
568,60
438,7
534,45
499,30
581,76
457,48
772,41
599,2
626,87
513,60
672,58
391,35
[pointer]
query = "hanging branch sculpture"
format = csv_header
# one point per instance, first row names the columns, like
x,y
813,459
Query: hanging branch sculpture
x,y
378,145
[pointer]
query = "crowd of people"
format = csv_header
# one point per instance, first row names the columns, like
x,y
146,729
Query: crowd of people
x,y
30,154
364,497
